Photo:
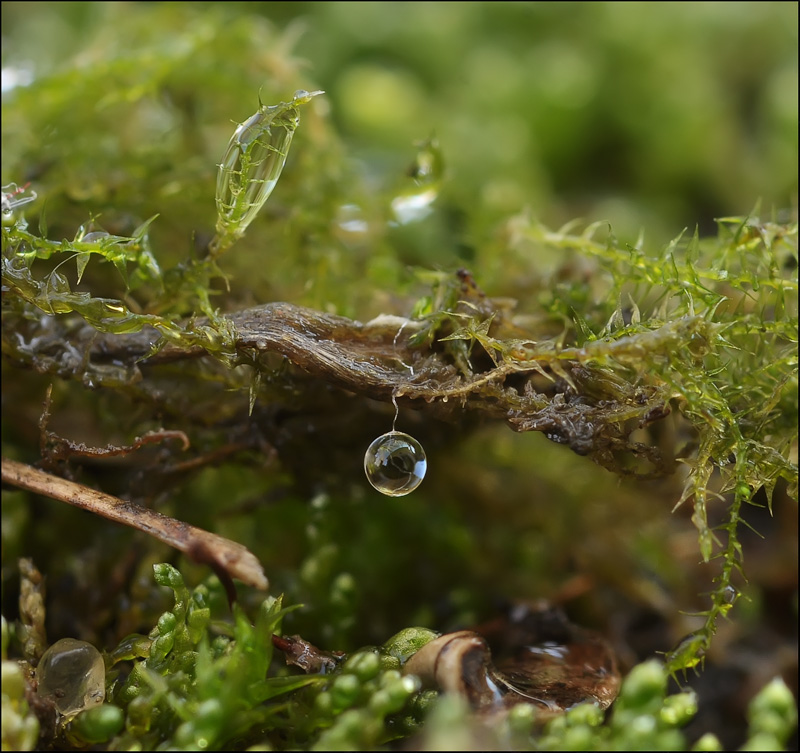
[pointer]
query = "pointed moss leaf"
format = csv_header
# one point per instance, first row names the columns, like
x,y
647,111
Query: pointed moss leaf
x,y
252,164
81,260
122,268
275,686
43,221
255,383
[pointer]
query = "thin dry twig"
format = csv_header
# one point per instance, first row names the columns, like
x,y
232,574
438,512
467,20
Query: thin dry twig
x,y
234,560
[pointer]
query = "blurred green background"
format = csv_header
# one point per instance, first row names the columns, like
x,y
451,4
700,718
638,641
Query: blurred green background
x,y
646,114
653,116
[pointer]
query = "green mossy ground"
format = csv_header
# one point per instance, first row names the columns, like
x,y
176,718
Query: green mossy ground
x,y
633,117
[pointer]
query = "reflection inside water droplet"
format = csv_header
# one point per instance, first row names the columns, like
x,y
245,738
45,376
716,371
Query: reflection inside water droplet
x,y
72,674
395,464
730,594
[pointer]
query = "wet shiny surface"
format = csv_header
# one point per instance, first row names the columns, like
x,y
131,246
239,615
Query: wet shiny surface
x,y
72,675
395,464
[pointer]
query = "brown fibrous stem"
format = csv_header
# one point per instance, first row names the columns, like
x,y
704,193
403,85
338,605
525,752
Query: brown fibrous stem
x,y
235,560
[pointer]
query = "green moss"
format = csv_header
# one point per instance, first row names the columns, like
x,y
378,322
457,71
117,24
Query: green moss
x,y
20,724
671,365
196,690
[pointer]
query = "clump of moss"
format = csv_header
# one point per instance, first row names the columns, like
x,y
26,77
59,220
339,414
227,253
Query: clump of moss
x,y
196,686
642,359
714,321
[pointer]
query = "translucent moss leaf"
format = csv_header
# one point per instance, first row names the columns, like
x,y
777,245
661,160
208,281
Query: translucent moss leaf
x,y
252,164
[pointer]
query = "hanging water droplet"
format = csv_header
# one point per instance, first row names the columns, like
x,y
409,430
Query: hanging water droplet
x,y
72,674
395,464
95,237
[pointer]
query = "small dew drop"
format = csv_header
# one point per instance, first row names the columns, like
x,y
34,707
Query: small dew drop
x,y
72,674
730,594
395,464
95,237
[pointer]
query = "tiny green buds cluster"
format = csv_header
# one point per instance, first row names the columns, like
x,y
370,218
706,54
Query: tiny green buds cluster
x,y
252,165
773,717
178,631
96,725
189,688
401,646
20,729
355,704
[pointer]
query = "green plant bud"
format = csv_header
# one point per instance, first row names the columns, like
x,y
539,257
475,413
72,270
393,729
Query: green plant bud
x,y
167,623
345,691
252,164
162,646
423,703
388,662
557,726
390,677
184,662
769,723
202,730
773,709
220,645
585,713
644,688
139,713
20,728
183,641
131,647
709,742
343,591
394,695
679,709
639,732
578,738
134,685
521,719
669,740
99,724
364,665
762,741
197,622
351,731
323,703
200,597
407,642
13,681
167,575
381,704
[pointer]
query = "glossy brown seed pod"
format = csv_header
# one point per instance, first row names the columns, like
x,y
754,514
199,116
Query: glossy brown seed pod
x,y
532,655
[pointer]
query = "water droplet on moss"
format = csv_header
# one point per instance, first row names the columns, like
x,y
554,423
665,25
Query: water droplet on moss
x,y
72,674
395,464
730,594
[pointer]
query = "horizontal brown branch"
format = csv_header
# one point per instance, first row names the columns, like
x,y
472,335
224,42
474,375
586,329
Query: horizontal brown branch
x,y
556,392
